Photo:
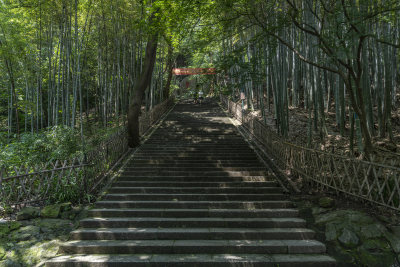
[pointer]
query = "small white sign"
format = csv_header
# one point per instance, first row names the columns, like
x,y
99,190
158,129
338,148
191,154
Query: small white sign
x,y
242,96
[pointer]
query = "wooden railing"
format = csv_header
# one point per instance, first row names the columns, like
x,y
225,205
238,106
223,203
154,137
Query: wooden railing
x,y
70,179
370,181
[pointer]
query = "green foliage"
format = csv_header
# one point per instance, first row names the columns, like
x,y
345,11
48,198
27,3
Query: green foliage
x,y
56,143
225,90
3,138
68,190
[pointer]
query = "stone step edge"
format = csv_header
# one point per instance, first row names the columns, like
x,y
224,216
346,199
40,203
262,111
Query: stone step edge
x,y
205,188
191,194
245,178
172,219
308,260
201,183
284,246
196,210
195,169
194,202
191,230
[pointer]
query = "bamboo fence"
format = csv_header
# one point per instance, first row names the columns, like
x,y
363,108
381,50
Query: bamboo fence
x,y
374,182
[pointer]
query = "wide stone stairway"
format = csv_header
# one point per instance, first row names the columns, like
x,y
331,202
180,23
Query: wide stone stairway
x,y
194,194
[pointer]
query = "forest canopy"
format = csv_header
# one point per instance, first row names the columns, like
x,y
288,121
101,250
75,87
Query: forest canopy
x,y
88,64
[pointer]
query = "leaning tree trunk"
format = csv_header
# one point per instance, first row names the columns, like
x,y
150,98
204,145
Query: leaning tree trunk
x,y
140,87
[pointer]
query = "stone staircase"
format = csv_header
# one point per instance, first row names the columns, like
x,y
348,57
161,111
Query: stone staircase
x,y
194,194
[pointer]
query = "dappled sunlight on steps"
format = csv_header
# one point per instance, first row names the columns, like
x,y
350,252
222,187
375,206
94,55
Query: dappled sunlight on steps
x,y
194,194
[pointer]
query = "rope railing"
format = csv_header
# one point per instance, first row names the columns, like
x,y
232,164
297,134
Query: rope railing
x,y
70,179
374,182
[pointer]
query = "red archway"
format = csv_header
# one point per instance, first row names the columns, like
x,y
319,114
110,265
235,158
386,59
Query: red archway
x,y
193,71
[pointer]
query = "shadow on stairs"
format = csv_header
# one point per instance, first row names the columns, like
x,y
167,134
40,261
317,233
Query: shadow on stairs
x,y
194,194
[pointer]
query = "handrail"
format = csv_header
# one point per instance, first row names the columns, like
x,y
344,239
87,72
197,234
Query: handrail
x,y
375,182
43,171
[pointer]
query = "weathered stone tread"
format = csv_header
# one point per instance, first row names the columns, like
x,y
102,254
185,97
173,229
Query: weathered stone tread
x,y
195,194
198,260
191,233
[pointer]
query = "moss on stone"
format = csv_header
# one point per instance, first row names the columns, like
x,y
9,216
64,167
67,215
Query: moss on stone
x,y
51,211
28,213
2,252
40,252
331,233
348,238
326,202
354,238
24,233
6,228
375,253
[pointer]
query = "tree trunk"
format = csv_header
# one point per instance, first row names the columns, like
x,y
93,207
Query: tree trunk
x,y
169,67
14,95
139,89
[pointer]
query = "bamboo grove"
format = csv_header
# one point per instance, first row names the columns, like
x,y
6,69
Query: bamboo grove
x,y
325,56
65,62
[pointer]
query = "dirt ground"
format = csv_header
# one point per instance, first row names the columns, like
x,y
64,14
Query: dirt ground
x,y
386,151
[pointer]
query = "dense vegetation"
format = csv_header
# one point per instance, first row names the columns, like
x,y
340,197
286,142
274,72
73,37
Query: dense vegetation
x,y
88,65
68,70
325,57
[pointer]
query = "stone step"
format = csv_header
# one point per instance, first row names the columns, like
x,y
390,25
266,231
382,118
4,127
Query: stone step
x,y
191,213
194,153
196,178
193,167
190,153
207,151
192,246
179,122
232,162
197,141
195,197
195,194
229,149
150,147
220,139
216,136
197,260
195,130
202,138
197,125
167,172
194,190
195,156
192,222
195,204
193,184
191,233
211,134
175,122
203,127
198,149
